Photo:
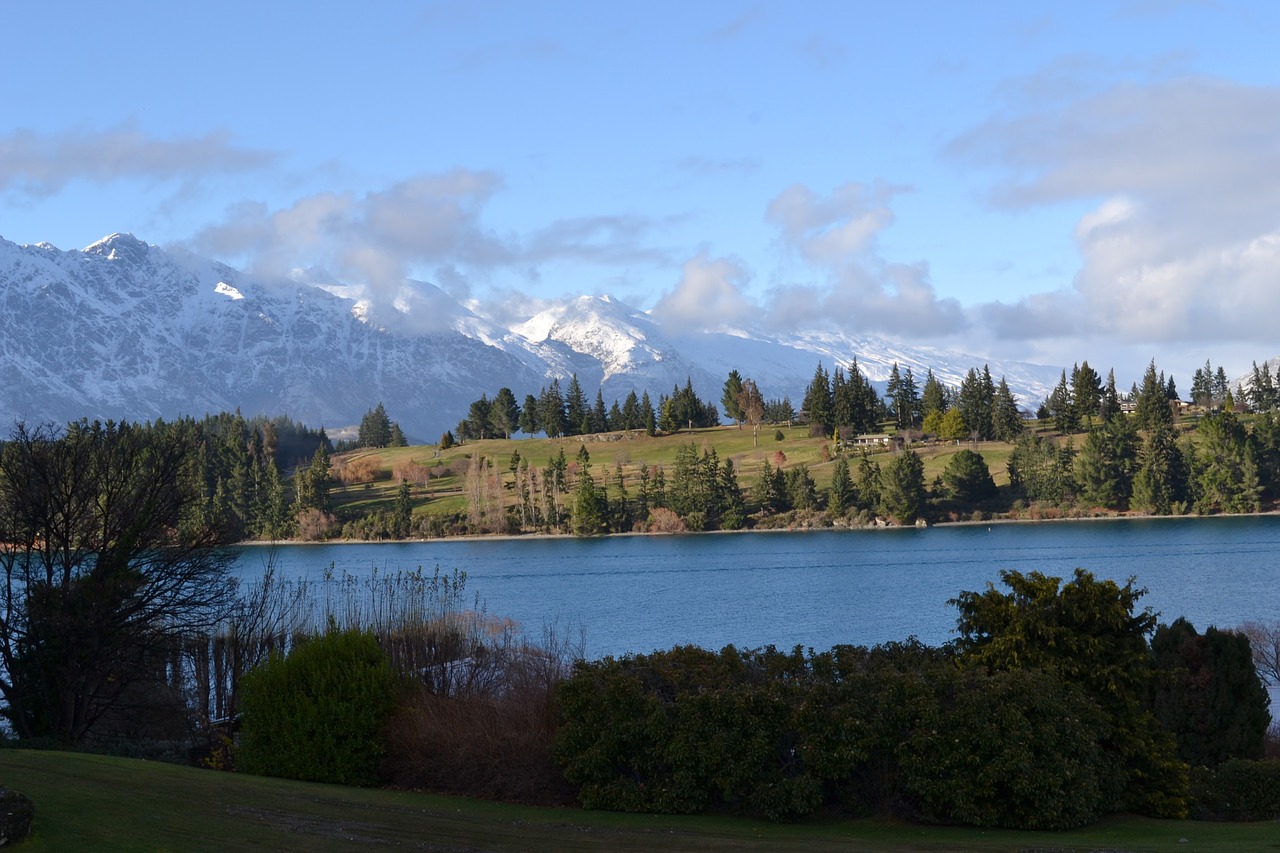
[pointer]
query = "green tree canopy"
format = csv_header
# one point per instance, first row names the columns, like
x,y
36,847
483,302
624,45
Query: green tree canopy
x,y
968,478
1089,633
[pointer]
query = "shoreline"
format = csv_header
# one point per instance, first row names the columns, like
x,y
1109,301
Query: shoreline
x,y
497,537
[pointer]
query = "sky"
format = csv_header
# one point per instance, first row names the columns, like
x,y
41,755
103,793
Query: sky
x,y
1047,182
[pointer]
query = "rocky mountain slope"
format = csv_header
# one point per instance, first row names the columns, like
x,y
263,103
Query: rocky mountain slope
x,y
126,330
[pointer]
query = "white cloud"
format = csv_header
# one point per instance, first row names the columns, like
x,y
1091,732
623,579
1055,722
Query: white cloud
x,y
709,295
1181,245
857,288
41,164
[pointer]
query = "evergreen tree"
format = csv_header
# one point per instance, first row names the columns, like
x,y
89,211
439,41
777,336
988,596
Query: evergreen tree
x,y
648,420
733,514
1210,697
934,397
1086,392
840,496
1062,408
551,411
1224,466
1221,388
904,400
402,516
1110,405
868,487
1151,408
770,490
817,403
590,508
478,419
599,419
902,487
802,492
1006,420
968,478
1107,463
975,402
1040,470
1202,384
530,416
1161,481
729,401
397,436
631,418
575,407
375,428
504,414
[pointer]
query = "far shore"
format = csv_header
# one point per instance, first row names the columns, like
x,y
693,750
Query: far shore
x,y
800,528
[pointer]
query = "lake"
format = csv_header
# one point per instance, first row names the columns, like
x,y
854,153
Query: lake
x,y
819,588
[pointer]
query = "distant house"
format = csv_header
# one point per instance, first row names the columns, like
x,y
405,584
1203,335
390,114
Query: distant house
x,y
878,439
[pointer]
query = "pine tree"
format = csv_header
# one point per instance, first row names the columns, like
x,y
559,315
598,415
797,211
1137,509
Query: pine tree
x,y
733,514
902,487
397,436
817,403
631,412
402,516
504,414
599,419
1062,408
1151,409
530,420
1086,392
934,396
729,401
551,410
840,496
1107,463
375,428
648,420
1161,480
1109,407
1006,420
575,407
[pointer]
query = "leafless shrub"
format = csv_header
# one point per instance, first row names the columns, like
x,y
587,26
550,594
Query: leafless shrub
x,y
315,524
663,520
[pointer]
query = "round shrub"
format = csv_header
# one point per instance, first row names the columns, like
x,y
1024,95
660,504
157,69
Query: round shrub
x,y
1236,790
1013,749
318,715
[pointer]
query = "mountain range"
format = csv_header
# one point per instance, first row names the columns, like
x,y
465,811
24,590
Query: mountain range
x,y
127,330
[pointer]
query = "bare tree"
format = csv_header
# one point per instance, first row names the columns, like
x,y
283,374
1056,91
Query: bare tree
x,y
752,405
109,559
1264,641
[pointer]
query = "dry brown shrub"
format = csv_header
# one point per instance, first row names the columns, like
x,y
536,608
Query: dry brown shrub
x,y
486,728
414,472
315,524
663,520
363,469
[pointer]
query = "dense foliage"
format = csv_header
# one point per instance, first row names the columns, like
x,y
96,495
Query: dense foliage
x,y
318,713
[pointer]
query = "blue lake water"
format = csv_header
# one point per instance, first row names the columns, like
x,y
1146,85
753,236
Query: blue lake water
x,y
640,593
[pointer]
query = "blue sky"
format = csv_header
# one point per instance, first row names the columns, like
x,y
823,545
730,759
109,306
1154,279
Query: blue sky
x,y
1052,182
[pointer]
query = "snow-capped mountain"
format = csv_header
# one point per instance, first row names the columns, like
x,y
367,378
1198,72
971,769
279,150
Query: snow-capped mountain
x,y
126,330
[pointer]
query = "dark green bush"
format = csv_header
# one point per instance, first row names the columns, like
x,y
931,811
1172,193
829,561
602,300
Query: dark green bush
x,y
1236,790
1016,749
685,730
318,715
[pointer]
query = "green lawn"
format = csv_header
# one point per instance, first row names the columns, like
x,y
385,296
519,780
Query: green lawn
x,y
87,802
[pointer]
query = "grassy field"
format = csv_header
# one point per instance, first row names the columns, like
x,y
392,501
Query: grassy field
x,y
444,491
87,802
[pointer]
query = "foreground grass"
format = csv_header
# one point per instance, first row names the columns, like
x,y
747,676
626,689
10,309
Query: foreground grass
x,y
88,802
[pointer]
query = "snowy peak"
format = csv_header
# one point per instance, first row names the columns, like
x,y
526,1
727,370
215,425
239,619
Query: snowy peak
x,y
128,330
118,247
